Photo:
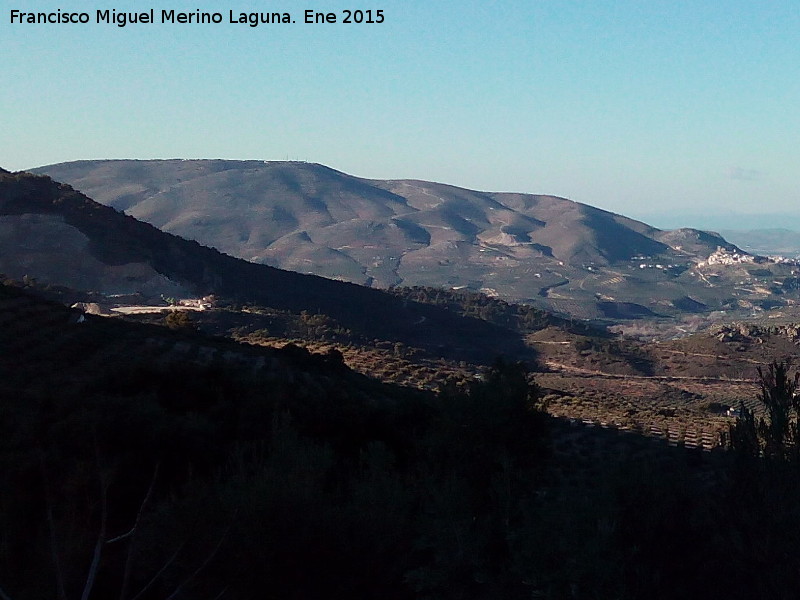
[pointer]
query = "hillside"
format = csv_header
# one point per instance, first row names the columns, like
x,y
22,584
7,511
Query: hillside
x,y
108,427
415,336
143,462
151,462
54,234
549,251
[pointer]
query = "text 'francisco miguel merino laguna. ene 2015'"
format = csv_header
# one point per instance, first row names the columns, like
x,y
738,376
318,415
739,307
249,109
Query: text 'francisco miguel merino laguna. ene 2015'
x,y
123,18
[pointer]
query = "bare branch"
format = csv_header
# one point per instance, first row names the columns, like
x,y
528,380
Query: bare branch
x,y
222,593
158,574
197,571
101,535
123,536
129,558
51,525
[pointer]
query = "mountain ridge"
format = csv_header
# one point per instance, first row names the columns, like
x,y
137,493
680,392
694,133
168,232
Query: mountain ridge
x,y
115,243
329,196
305,217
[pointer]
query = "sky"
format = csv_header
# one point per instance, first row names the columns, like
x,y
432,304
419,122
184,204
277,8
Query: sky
x,y
657,110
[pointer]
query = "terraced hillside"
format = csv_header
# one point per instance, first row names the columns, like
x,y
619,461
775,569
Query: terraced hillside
x,y
684,386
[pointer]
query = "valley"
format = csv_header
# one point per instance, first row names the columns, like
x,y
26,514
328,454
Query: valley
x,y
437,433
627,357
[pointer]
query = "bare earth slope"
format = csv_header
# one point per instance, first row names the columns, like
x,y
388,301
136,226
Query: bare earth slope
x,y
551,251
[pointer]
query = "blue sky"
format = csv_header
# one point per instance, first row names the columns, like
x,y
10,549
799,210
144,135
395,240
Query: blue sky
x,y
644,108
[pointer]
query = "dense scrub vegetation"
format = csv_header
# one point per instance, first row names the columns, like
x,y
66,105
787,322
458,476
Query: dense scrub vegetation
x,y
137,463
152,480
521,318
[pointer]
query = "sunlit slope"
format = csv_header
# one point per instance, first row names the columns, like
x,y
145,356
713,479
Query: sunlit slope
x,y
309,218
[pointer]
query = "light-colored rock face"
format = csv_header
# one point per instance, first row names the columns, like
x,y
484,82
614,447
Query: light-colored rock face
x,y
59,254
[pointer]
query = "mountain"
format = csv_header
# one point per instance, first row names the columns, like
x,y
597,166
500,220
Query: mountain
x,y
147,462
559,254
52,233
284,212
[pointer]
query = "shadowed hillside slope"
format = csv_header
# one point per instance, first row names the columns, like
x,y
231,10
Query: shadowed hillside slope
x,y
120,253
142,462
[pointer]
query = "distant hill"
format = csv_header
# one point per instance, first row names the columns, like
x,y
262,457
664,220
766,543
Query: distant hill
x,y
50,232
312,219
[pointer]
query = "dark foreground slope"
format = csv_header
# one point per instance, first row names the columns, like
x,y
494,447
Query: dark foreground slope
x,y
140,462
137,462
92,243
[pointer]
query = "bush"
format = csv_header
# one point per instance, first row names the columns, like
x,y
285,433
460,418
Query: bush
x,y
179,319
